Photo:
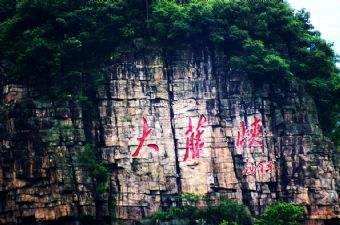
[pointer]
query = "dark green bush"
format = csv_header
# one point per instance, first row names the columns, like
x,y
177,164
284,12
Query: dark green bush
x,y
227,210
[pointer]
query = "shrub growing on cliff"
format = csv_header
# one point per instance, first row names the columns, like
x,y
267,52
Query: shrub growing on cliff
x,y
97,169
228,210
281,213
188,199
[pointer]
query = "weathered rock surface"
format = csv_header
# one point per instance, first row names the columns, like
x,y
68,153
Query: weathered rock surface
x,y
41,178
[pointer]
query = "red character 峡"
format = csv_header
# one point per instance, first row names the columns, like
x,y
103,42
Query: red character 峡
x,y
194,143
263,167
251,136
141,140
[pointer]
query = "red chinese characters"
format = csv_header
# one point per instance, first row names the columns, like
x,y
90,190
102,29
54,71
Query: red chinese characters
x,y
194,144
263,167
251,136
141,139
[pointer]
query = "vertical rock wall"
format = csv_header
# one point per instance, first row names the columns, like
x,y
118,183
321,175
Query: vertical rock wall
x,y
146,105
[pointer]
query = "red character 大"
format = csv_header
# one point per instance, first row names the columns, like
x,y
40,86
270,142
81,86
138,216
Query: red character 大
x,y
193,142
251,136
263,167
141,139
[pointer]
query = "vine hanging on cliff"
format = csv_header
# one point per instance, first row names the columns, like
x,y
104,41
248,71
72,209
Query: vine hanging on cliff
x,y
97,169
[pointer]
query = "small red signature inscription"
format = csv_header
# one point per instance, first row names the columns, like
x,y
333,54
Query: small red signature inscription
x,y
263,167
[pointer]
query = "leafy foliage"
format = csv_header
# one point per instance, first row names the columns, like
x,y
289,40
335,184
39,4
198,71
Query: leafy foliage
x,y
57,44
281,213
60,45
226,212
224,222
97,169
188,198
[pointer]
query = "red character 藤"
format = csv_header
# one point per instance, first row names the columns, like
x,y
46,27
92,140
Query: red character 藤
x,y
263,167
194,143
141,139
251,136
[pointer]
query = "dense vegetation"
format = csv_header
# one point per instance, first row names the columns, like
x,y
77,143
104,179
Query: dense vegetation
x,y
281,213
60,46
226,212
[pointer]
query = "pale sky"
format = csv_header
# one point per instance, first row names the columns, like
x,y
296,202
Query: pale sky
x,y
325,17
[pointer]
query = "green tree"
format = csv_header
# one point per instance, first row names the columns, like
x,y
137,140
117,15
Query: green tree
x,y
227,210
281,213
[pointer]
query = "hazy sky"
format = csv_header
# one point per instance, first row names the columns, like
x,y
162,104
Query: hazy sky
x,y
325,16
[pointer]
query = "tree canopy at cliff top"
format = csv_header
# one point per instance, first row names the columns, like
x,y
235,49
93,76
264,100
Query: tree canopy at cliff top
x,y
55,44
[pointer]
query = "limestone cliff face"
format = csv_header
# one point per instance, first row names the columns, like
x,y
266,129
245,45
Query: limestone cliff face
x,y
207,129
